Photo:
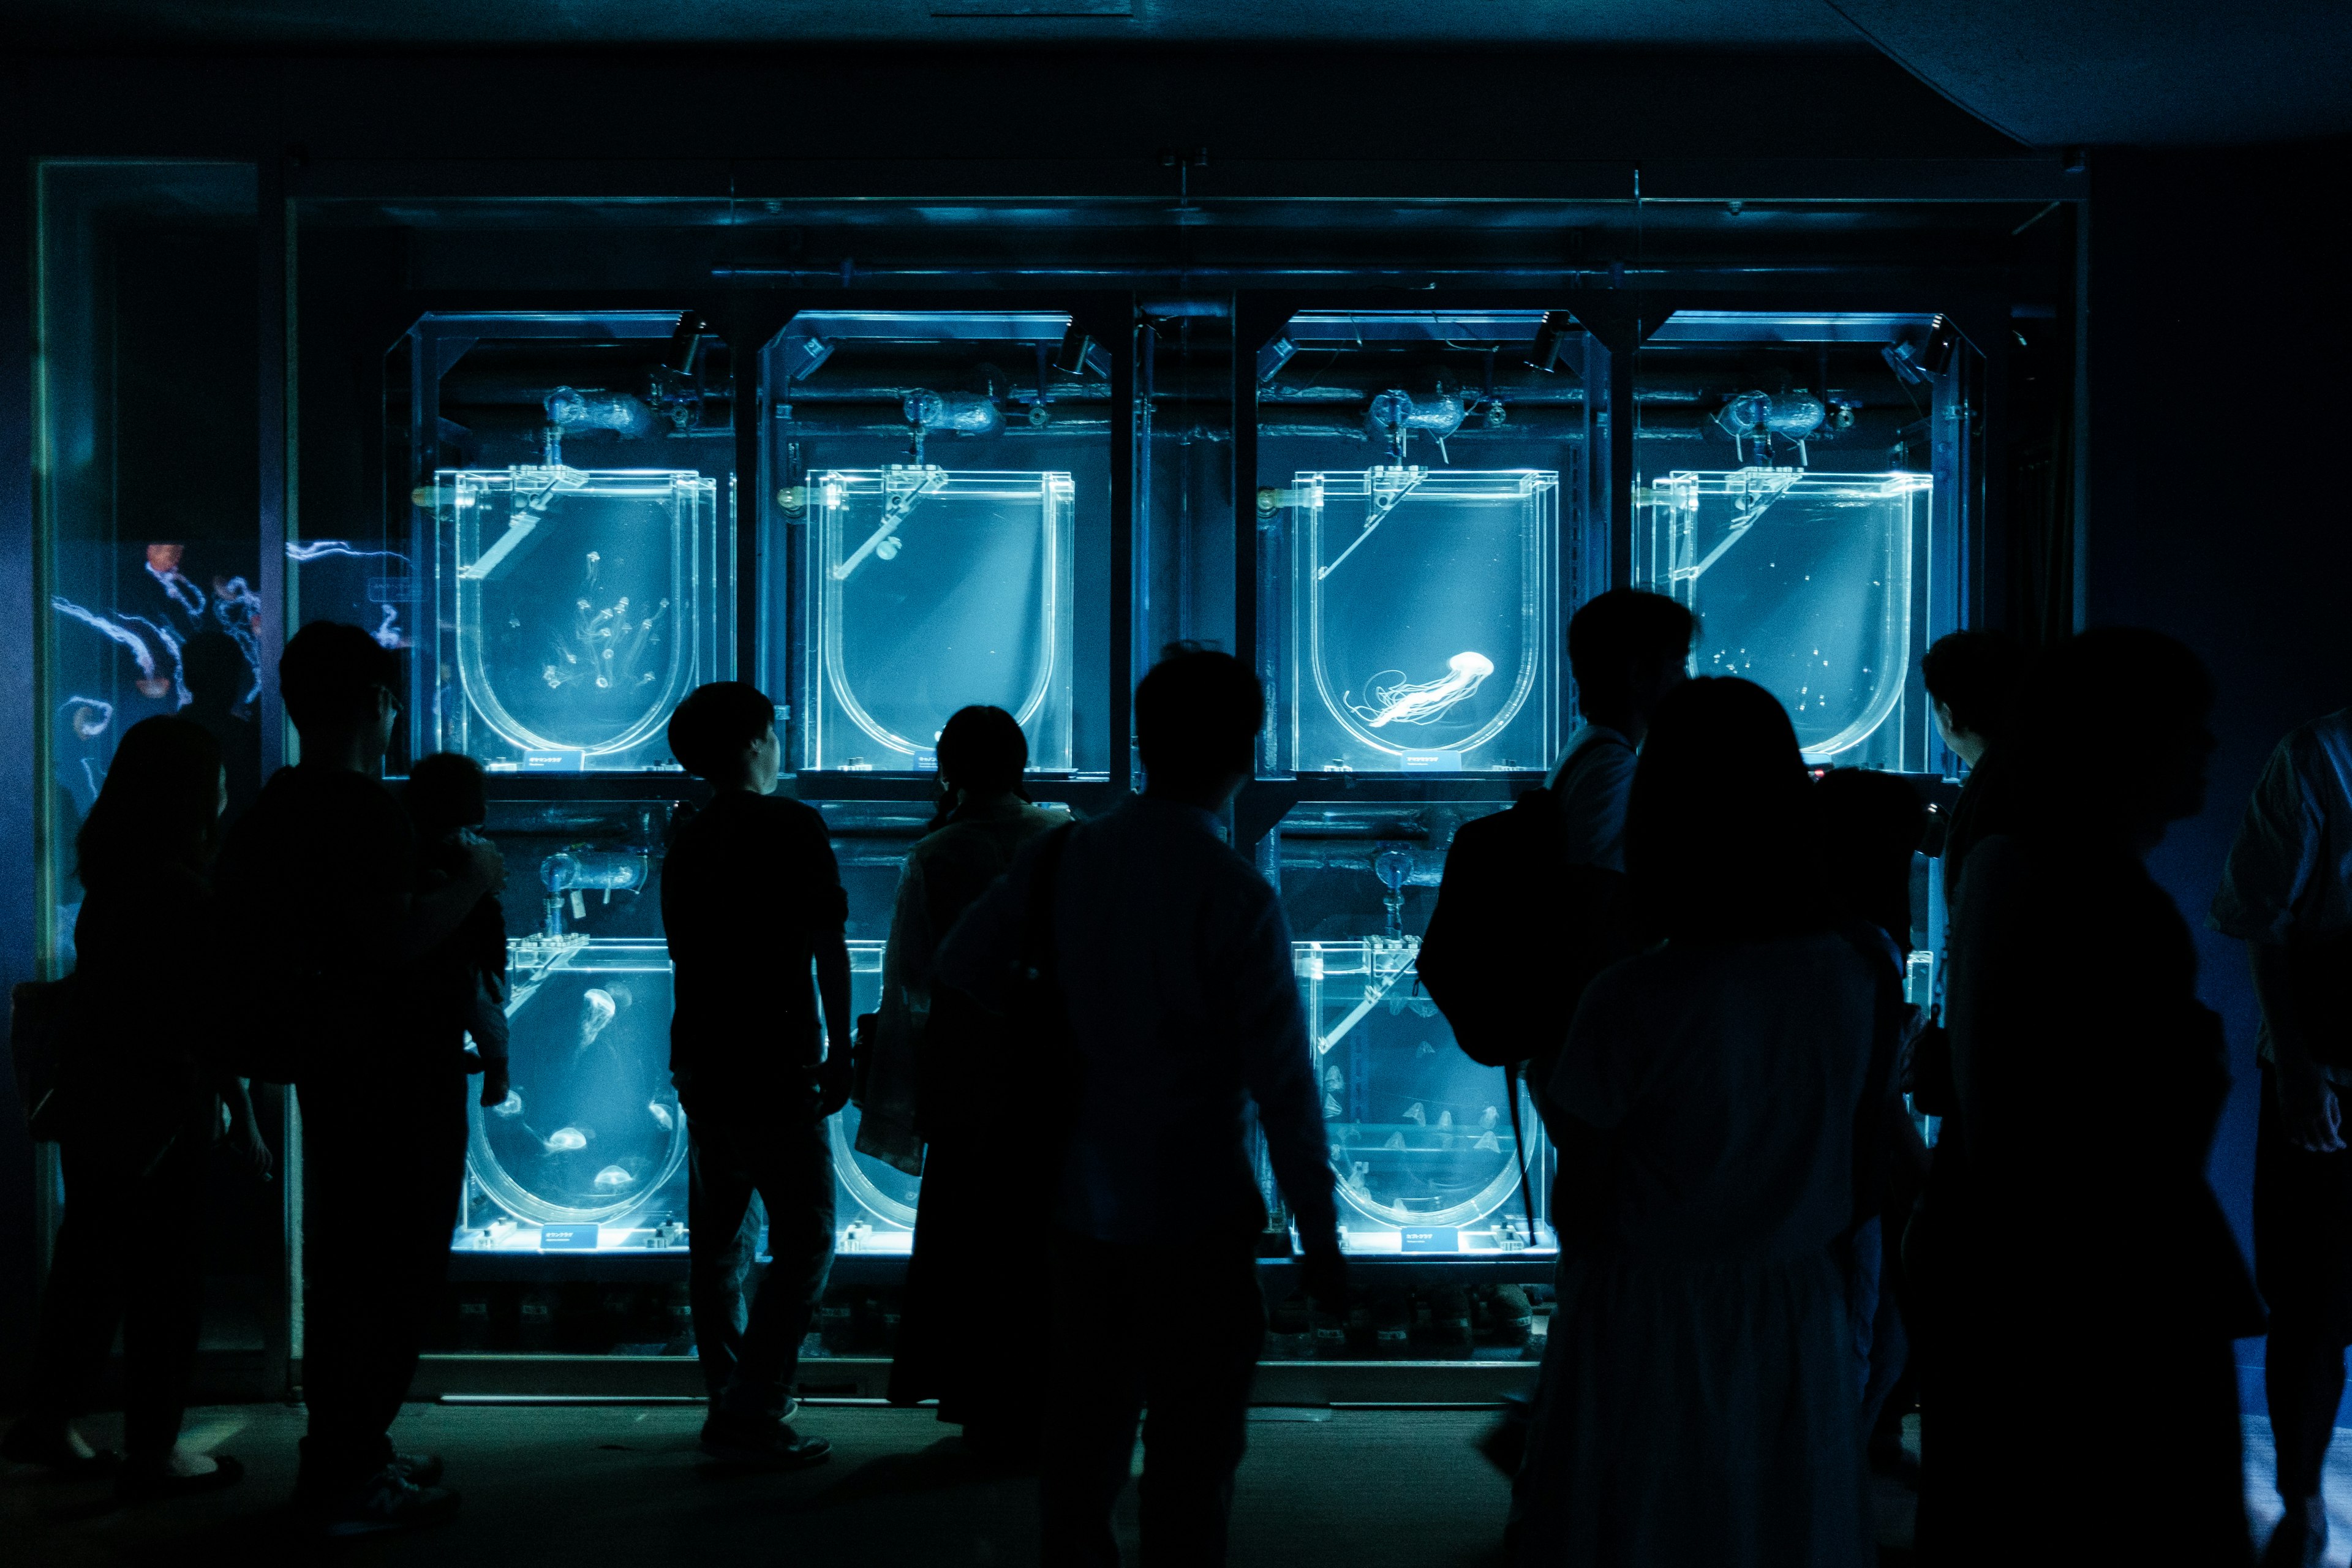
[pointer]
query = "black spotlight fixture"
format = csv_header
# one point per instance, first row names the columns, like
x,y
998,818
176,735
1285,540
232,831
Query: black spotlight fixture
x,y
1915,362
1549,337
1272,357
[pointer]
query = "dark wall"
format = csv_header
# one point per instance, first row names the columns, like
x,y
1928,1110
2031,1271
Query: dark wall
x,y
2216,329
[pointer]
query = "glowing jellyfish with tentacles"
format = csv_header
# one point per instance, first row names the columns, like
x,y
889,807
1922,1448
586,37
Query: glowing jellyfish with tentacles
x,y
1398,701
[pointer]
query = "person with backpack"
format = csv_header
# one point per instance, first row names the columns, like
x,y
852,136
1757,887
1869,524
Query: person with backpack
x,y
1149,968
135,1107
317,887
1700,1391
752,899
940,1082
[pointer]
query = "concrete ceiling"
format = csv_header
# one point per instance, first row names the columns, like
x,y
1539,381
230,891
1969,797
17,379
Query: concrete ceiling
x,y
2047,72
2147,72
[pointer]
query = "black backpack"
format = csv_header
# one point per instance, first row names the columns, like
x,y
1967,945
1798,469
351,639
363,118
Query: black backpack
x,y
1517,933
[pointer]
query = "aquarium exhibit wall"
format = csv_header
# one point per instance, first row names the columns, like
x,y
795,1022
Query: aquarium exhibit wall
x,y
566,507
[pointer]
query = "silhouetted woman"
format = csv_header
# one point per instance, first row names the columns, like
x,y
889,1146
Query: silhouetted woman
x,y
1700,1408
2081,1404
941,1073
138,1079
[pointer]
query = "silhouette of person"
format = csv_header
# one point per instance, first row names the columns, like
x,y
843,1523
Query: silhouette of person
x,y
141,1084
1700,1401
1173,965
216,675
1976,680
752,899
319,888
2073,996
464,976
942,1085
2286,892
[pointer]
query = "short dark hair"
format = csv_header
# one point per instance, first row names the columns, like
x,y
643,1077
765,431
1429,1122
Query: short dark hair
x,y
1198,712
215,670
445,792
1979,676
1872,824
2109,692
1619,626
329,672
711,727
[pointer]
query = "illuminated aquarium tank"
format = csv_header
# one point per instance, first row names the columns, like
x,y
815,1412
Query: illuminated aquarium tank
x,y
929,590
1424,620
589,1149
1422,1137
577,607
1802,582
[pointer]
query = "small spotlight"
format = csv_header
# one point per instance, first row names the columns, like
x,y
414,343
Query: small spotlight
x,y
1917,362
1080,354
1272,357
1549,337
803,355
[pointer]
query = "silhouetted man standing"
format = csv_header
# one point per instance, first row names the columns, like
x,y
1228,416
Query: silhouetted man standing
x,y
318,883
1173,964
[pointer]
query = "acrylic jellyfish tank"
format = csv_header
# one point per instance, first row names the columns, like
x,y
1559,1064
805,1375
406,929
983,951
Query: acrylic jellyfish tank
x,y
1422,1137
1802,582
591,1134
930,590
577,607
1424,619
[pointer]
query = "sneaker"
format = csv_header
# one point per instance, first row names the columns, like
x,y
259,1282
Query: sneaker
x,y
386,1503
422,1469
761,1443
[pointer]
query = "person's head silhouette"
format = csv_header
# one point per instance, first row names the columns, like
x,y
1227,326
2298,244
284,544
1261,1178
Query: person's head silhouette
x,y
445,792
341,689
983,754
1975,678
1197,716
1720,827
2113,735
160,805
725,734
1627,649
1872,824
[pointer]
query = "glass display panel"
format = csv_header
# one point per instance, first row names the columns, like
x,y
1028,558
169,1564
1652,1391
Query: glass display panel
x,y
1801,582
932,590
576,607
1422,1137
588,1152
1425,619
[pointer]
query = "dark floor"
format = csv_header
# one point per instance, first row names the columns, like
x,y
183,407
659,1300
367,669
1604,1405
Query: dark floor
x,y
1361,1488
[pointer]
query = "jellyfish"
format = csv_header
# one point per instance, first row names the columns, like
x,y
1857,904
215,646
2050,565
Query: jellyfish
x,y
597,1010
1417,1115
1396,1141
510,1106
1445,1118
661,1114
563,1139
1488,1118
612,1178
1423,1049
1490,1142
1334,1080
1400,701
1331,1111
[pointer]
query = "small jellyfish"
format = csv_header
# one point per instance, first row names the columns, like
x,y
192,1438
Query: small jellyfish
x,y
510,1106
1488,1118
1396,1141
612,1178
1334,1080
1423,1049
1416,1114
1490,1142
661,1114
563,1139
1445,1118
597,1008
1332,1109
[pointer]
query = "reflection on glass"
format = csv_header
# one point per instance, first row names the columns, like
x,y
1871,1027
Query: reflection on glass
x,y
931,590
1801,582
1421,1135
1427,604
574,602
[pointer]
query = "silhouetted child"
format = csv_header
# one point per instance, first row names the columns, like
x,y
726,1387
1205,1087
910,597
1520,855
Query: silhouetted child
x,y
465,975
